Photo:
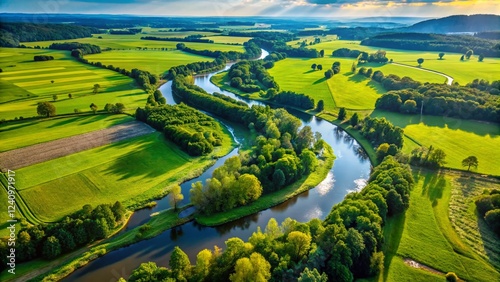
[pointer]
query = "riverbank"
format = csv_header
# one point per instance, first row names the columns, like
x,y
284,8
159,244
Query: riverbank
x,y
270,200
156,225
221,81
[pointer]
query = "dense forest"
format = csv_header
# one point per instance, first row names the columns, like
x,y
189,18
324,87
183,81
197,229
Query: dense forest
x,y
488,207
74,231
11,34
458,23
193,131
347,245
435,42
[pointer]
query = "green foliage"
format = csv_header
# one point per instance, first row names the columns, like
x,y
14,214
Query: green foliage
x,y
312,276
51,248
46,109
488,206
451,277
470,161
354,120
180,265
342,114
256,268
175,196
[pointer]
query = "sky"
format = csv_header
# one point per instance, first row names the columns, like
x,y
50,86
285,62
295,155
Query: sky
x,y
303,8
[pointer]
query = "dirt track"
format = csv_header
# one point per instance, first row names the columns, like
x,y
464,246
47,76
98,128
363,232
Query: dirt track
x,y
38,153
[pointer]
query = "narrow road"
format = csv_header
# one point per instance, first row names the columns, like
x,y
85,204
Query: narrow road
x,y
449,78
43,152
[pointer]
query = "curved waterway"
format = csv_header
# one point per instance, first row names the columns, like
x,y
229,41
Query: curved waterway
x,y
349,173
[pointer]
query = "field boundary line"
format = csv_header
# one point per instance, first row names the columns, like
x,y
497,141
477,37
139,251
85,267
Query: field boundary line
x,y
449,78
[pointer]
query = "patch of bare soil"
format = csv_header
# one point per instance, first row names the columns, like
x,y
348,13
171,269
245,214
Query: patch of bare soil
x,y
43,152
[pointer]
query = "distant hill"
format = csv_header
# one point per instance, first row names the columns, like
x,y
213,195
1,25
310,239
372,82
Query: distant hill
x,y
458,23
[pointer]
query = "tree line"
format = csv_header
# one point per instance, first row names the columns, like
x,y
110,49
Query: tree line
x,y
77,49
39,58
435,42
442,100
11,34
193,131
189,38
346,246
488,206
376,57
78,229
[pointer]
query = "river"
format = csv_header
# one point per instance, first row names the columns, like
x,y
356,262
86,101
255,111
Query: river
x,y
349,173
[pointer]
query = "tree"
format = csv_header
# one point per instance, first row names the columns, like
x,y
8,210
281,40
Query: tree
x,y
342,114
70,95
96,88
480,58
93,107
420,61
180,265
469,54
492,217
278,178
437,156
409,107
354,120
319,67
312,276
321,53
254,269
175,196
321,106
46,109
451,277
313,66
298,244
382,151
51,248
441,55
52,81
328,74
462,58
54,97
470,161
149,271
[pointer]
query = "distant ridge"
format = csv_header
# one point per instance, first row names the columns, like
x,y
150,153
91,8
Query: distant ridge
x,y
458,23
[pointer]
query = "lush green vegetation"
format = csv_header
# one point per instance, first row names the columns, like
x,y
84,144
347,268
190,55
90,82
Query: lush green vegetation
x,y
428,217
157,62
27,83
29,132
345,246
195,132
458,138
139,167
435,42
325,162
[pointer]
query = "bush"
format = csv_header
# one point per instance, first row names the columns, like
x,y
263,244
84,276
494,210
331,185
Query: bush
x,y
451,277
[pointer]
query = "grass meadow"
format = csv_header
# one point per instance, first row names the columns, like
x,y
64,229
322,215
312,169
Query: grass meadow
x,y
425,234
462,72
126,42
25,83
20,134
131,171
156,62
457,137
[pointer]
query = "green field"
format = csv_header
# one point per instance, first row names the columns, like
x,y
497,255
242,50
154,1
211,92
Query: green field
x,y
342,90
139,168
156,62
458,138
127,42
25,133
426,235
25,83
228,39
462,72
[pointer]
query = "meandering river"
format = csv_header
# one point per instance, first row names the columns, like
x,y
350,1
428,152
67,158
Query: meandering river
x,y
349,173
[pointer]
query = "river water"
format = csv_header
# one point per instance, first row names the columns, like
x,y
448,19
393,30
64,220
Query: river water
x,y
349,173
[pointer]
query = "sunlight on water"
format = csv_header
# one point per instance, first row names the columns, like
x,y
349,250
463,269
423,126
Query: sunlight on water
x,y
326,185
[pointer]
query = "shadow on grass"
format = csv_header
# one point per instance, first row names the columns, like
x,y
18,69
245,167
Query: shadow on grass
x,y
64,122
393,231
323,79
434,184
309,71
24,124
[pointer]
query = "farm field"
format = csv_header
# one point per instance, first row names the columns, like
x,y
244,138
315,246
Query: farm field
x,y
140,168
29,82
427,218
124,42
25,133
463,72
156,62
458,138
